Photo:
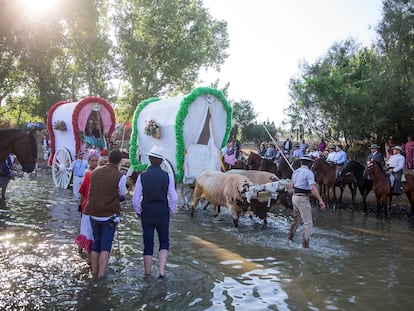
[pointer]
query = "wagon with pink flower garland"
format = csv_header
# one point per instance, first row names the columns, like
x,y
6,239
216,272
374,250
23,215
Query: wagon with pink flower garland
x,y
77,127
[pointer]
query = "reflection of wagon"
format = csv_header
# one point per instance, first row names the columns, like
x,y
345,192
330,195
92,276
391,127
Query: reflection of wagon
x,y
190,129
74,127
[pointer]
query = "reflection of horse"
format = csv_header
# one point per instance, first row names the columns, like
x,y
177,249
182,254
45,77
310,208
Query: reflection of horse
x,y
353,169
381,186
23,145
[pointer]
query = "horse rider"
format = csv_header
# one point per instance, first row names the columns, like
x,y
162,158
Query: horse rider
x,y
304,183
262,149
395,166
269,156
313,153
340,159
331,155
375,155
297,152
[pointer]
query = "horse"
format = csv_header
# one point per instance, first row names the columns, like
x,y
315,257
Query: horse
x,y
325,176
353,169
382,187
254,161
284,169
20,143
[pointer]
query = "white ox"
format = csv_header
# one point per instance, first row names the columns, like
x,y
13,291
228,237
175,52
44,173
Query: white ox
x,y
222,189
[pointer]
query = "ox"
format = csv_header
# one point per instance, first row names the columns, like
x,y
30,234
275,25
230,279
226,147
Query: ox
x,y
222,189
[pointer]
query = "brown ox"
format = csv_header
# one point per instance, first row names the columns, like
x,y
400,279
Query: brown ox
x,y
222,189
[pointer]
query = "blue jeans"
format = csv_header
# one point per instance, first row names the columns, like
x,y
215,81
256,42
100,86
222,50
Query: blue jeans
x,y
103,235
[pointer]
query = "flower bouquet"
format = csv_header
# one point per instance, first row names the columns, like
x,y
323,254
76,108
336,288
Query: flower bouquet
x,y
152,128
60,126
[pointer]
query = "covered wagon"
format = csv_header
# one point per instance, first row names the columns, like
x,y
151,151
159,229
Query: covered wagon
x,y
191,129
77,127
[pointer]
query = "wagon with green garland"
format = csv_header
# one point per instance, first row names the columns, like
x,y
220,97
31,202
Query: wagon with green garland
x,y
190,129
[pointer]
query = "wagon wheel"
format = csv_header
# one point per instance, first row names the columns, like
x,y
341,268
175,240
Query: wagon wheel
x,y
60,168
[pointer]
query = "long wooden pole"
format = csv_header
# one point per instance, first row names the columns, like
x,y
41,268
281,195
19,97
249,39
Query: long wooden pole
x,y
276,146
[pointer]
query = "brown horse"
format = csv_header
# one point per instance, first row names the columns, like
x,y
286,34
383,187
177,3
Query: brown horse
x,y
408,189
325,176
381,186
23,145
254,161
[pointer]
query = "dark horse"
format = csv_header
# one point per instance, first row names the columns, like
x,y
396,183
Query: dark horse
x,y
353,169
23,145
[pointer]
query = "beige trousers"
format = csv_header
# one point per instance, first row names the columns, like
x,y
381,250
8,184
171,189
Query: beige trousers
x,y
302,209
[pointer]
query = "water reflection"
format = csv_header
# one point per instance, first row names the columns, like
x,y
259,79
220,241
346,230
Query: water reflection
x,y
354,262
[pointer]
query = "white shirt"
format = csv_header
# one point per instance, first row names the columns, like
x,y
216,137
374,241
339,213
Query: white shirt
x,y
331,157
396,161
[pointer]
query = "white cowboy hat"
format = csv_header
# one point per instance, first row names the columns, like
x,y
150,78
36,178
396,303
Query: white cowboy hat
x,y
156,152
398,148
307,158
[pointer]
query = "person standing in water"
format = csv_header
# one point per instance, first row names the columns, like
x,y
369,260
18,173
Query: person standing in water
x,y
155,201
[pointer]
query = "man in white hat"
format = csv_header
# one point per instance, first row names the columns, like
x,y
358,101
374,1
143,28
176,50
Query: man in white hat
x,y
395,166
154,201
303,184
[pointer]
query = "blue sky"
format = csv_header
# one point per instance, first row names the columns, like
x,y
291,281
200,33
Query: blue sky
x,y
270,38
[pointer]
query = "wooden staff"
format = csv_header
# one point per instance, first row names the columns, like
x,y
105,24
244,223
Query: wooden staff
x,y
281,151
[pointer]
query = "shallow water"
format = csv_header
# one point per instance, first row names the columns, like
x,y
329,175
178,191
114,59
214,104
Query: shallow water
x,y
354,263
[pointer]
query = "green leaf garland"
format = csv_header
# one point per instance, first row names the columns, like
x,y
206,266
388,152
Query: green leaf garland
x,y
179,127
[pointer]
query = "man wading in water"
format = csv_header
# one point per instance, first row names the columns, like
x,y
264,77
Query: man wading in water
x,y
304,183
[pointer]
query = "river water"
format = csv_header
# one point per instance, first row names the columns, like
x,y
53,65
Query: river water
x,y
354,263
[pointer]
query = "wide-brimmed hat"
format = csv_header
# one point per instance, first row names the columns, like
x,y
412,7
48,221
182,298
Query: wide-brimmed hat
x,y
306,158
398,148
331,147
79,153
374,146
156,152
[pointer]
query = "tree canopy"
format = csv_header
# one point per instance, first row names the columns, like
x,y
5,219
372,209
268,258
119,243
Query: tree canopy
x,y
359,93
124,51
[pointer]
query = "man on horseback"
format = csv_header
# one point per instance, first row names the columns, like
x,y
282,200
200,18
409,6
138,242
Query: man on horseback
x,y
269,156
340,158
395,166
375,155
331,155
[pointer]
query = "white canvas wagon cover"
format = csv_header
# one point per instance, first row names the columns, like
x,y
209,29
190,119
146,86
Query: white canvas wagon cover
x,y
193,129
74,116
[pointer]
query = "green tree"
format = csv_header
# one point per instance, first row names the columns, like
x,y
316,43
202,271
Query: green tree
x,y
396,48
163,44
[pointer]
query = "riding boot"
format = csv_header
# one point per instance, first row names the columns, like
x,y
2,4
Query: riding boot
x,y
305,243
